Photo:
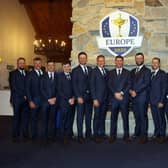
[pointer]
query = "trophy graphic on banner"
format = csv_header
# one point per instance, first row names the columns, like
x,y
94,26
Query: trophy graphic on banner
x,y
119,22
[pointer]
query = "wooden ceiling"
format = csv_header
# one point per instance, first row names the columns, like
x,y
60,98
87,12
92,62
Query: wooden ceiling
x,y
51,18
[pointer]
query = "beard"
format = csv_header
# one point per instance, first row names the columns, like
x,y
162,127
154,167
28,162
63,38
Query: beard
x,y
21,68
139,64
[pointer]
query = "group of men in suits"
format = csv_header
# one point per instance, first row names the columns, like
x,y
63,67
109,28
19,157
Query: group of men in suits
x,y
83,90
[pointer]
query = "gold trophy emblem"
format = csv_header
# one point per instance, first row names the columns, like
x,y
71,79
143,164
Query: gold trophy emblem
x,y
119,22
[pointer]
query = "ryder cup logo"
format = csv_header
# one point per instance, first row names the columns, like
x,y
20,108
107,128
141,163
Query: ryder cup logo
x,y
119,33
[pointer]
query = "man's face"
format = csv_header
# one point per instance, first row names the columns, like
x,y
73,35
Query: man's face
x,y
119,62
82,59
67,68
21,64
51,66
37,64
101,62
155,64
139,59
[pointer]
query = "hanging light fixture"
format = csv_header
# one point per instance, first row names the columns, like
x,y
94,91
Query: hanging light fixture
x,y
50,46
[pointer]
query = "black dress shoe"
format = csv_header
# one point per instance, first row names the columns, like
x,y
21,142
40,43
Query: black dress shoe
x,y
15,139
44,141
104,137
154,138
66,141
89,138
143,140
112,139
134,137
26,138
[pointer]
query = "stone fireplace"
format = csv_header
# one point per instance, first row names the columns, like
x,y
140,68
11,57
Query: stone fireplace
x,y
152,15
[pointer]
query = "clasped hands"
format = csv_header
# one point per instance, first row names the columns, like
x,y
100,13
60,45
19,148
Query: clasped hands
x,y
52,101
118,95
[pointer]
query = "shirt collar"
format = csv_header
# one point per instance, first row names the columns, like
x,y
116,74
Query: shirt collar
x,y
140,66
101,68
119,69
38,71
20,70
155,71
66,73
82,65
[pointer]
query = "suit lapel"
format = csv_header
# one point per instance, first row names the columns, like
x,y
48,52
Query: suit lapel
x,y
156,76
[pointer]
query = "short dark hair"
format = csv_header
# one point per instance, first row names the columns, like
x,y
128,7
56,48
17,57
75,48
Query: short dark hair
x,y
119,57
21,58
37,59
82,53
100,56
50,61
66,62
139,53
156,58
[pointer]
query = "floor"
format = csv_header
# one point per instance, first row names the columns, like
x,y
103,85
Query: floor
x,y
74,155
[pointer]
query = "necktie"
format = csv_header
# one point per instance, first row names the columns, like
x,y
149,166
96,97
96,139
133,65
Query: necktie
x,y
119,72
52,76
103,72
85,70
68,76
39,73
22,72
153,74
137,69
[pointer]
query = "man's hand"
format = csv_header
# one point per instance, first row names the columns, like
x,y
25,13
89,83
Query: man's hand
x,y
80,100
71,101
52,101
133,93
118,96
160,105
96,103
32,105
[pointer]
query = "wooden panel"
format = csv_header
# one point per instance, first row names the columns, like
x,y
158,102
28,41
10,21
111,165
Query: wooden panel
x,y
51,18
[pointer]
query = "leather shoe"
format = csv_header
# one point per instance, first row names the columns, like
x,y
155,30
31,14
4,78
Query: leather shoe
x,y
143,140
112,139
81,140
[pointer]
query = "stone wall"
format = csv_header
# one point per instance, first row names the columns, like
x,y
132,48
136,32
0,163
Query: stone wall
x,y
153,17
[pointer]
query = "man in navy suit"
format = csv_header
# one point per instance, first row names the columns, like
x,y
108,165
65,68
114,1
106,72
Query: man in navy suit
x,y
140,82
49,96
66,98
18,100
166,100
99,92
157,100
119,85
34,95
81,86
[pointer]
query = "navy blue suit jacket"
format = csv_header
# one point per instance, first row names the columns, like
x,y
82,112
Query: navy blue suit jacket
x,y
33,87
48,87
98,85
81,82
140,82
167,87
158,88
119,84
65,88
17,84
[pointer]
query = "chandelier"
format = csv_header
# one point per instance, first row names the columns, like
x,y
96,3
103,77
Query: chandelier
x,y
49,47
